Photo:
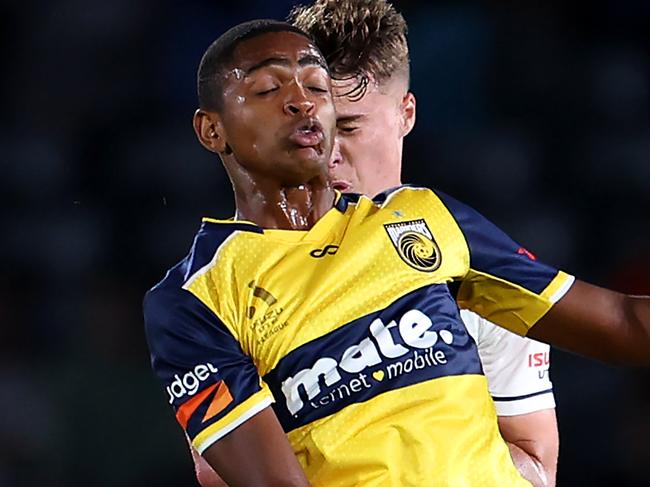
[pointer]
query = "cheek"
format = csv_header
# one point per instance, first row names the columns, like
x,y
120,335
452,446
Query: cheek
x,y
373,146
363,155
256,128
374,152
252,143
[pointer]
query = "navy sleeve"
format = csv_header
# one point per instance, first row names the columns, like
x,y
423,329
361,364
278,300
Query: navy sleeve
x,y
211,384
505,283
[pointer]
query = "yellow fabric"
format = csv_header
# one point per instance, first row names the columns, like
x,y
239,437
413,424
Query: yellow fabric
x,y
505,303
438,446
442,432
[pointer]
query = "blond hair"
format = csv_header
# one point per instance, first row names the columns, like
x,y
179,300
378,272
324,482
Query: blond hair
x,y
362,39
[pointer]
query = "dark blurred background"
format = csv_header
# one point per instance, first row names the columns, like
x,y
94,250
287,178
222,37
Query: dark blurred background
x,y
536,114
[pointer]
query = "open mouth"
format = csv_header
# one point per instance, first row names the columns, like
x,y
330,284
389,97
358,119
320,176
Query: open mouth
x,y
308,134
342,186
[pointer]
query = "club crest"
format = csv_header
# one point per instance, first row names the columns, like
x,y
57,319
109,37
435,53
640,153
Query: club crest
x,y
415,244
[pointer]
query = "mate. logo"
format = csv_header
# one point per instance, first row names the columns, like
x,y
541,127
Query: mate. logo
x,y
415,244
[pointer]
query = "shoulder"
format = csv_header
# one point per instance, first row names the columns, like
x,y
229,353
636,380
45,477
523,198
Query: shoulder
x,y
204,250
212,235
171,298
405,192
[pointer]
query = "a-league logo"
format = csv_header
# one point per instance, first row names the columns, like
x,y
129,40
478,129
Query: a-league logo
x,y
415,244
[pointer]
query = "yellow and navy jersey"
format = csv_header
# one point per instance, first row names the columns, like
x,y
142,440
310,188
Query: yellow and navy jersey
x,y
351,332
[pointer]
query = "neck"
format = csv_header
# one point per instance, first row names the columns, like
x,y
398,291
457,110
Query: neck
x,y
284,207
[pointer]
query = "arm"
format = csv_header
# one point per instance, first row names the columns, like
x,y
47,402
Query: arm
x,y
534,443
205,475
257,453
261,438
599,323
506,284
517,371
215,389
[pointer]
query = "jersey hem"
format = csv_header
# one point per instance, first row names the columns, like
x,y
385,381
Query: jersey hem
x,y
558,287
530,404
218,430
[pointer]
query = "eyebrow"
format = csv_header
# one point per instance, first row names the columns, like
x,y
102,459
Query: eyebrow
x,y
313,60
308,60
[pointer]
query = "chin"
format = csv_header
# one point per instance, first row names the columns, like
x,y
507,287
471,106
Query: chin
x,y
310,154
311,157
304,170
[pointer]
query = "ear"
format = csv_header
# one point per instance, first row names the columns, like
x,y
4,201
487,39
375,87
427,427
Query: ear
x,y
407,109
210,132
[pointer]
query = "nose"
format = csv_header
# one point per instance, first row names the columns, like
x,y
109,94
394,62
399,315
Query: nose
x,y
337,157
298,103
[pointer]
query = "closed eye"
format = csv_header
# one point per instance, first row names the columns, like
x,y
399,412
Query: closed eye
x,y
347,130
317,89
266,92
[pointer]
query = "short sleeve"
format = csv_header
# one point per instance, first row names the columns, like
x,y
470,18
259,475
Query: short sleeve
x,y
209,381
517,368
505,283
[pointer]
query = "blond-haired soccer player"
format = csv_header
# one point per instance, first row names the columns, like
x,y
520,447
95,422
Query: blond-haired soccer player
x,y
365,44
313,338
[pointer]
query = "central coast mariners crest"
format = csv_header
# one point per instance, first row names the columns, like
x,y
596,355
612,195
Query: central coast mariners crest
x,y
415,244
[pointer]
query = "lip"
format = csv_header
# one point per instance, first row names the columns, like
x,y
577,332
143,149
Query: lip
x,y
307,133
341,185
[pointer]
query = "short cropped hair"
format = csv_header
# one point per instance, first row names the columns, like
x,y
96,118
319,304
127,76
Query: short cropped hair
x,y
362,39
218,56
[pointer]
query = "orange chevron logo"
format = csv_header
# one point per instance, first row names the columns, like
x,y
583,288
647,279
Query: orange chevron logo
x,y
218,402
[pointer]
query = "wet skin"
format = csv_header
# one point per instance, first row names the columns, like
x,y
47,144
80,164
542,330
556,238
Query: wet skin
x,y
275,131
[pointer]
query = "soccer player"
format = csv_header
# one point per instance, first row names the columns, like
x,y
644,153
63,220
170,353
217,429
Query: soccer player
x,y
365,45
313,339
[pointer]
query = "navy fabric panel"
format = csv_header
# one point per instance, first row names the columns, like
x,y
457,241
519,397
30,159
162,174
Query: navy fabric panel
x,y
188,342
312,382
347,198
381,197
208,239
495,253
378,199
454,287
342,203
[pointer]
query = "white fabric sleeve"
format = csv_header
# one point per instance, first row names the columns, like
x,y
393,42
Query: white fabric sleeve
x,y
516,368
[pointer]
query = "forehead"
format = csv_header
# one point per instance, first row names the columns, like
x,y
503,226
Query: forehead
x,y
284,45
347,105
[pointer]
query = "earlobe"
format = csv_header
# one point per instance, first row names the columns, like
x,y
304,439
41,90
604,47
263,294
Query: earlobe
x,y
408,113
209,131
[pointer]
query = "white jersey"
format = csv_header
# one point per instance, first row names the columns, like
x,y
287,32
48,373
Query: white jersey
x,y
517,368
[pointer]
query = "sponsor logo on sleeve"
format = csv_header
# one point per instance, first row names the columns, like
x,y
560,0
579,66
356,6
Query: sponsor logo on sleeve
x,y
541,362
189,383
527,253
218,396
